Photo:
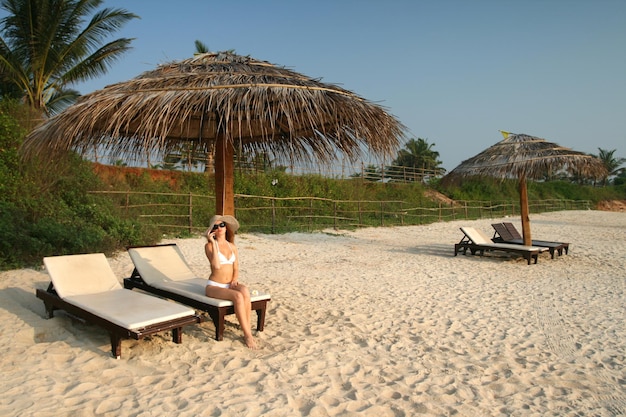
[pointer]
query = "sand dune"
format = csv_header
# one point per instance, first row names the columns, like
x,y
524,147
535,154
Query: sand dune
x,y
379,321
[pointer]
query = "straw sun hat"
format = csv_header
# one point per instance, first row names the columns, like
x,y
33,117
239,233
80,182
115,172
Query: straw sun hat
x,y
231,223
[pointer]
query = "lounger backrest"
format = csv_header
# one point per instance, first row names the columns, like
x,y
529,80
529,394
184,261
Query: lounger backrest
x,y
476,236
81,274
512,230
160,263
501,229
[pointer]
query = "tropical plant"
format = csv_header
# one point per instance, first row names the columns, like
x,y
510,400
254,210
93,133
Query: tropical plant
x,y
201,48
419,154
611,163
45,47
11,135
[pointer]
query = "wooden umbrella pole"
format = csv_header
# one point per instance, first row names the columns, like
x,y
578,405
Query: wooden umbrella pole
x,y
224,177
523,203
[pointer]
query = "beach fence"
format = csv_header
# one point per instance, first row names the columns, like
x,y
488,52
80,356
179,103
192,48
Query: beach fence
x,y
190,213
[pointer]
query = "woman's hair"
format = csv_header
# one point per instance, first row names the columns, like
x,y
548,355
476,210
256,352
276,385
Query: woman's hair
x,y
230,235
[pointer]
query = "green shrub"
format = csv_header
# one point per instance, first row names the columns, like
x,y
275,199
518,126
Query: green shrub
x,y
46,208
10,139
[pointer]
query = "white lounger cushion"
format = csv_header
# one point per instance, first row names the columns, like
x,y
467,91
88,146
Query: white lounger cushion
x,y
88,282
81,274
479,238
130,309
194,288
157,264
164,267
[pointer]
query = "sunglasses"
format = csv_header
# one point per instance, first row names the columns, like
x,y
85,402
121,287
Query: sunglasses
x,y
215,226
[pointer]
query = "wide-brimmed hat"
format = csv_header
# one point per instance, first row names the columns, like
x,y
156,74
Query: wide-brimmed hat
x,y
231,223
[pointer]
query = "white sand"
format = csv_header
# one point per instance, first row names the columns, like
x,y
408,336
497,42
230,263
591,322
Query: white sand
x,y
377,322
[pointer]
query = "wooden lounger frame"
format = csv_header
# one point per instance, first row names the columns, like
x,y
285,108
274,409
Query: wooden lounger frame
x,y
507,233
529,253
464,246
53,302
216,313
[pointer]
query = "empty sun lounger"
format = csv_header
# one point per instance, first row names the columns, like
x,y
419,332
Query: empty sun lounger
x,y
162,270
507,233
476,241
85,286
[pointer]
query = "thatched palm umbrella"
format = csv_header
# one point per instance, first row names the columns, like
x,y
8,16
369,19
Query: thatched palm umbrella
x,y
225,101
526,157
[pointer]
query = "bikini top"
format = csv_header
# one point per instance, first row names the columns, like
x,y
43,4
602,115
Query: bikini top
x,y
223,259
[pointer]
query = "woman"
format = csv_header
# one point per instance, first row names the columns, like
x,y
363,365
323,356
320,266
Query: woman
x,y
224,280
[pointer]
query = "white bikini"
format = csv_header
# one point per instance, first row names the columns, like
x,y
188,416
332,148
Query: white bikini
x,y
223,261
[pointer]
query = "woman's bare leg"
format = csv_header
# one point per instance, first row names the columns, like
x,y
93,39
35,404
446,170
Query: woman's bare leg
x,y
240,298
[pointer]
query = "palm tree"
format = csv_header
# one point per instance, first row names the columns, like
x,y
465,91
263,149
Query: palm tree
x,y
201,48
419,154
45,47
611,163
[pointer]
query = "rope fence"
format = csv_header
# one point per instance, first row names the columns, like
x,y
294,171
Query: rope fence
x,y
190,213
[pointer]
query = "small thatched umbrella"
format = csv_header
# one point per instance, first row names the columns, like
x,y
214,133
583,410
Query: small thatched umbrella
x,y
522,156
222,101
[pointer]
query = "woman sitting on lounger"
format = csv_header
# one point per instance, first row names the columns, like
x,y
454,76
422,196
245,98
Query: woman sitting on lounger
x,y
224,280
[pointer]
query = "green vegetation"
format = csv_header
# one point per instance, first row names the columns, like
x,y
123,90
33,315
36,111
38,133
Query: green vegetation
x,y
419,154
612,164
67,205
47,45
45,208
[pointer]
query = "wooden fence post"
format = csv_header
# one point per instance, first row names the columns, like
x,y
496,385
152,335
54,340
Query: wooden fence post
x,y
360,213
190,213
310,214
273,216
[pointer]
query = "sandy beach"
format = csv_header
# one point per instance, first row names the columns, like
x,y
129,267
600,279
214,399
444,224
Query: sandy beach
x,y
375,322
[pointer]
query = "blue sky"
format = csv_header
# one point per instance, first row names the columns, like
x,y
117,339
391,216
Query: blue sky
x,y
453,71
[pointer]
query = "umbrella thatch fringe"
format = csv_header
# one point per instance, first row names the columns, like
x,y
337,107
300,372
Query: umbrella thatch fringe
x,y
525,156
255,105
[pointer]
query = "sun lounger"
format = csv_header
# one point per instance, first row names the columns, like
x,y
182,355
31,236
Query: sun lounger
x,y
560,246
86,287
507,233
162,270
476,241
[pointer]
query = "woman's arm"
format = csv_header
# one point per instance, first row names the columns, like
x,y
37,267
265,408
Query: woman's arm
x,y
211,251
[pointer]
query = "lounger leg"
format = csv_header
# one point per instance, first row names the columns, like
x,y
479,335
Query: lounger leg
x,y
218,321
552,253
260,319
219,326
49,310
177,335
116,346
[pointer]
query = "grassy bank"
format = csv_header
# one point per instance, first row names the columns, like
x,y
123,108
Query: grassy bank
x,y
67,206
